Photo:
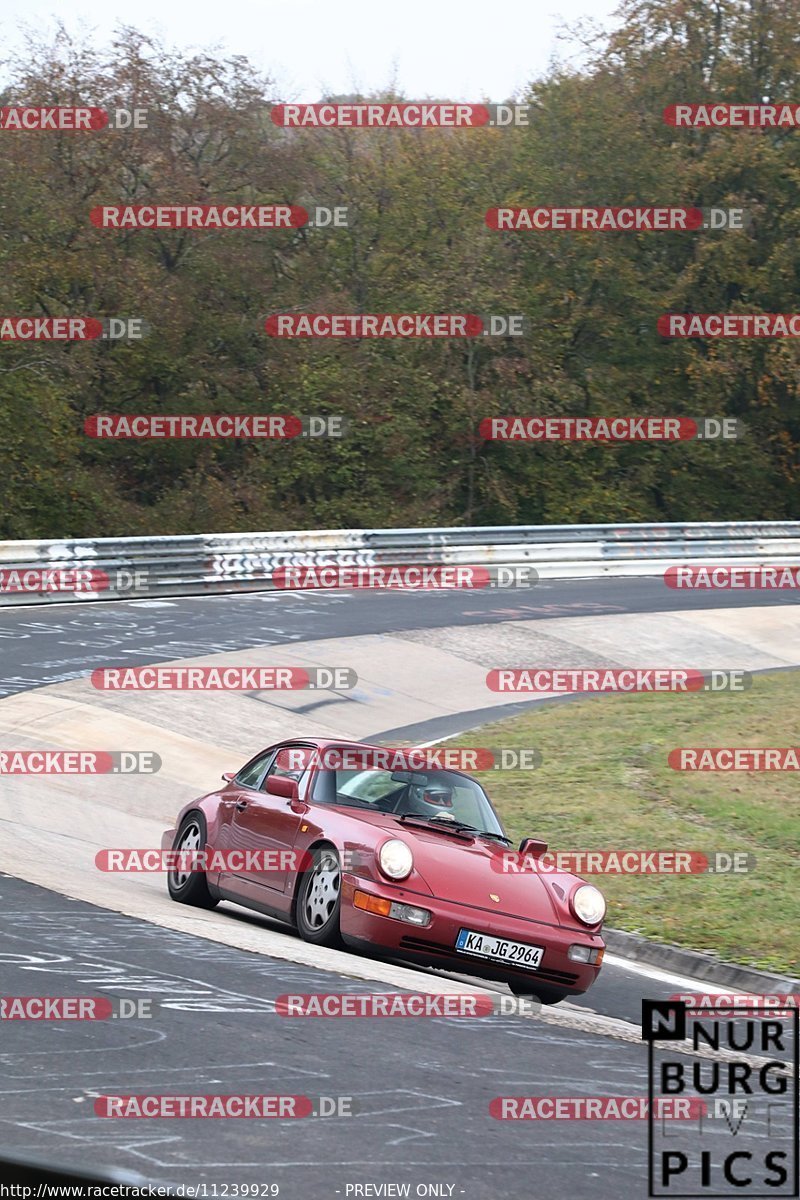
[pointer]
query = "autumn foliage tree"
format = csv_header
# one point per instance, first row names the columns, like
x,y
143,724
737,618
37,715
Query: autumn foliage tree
x,y
416,241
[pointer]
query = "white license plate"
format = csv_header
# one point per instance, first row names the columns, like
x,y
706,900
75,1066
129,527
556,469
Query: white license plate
x,y
487,946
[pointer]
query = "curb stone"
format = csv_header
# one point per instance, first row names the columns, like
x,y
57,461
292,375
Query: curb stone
x,y
696,964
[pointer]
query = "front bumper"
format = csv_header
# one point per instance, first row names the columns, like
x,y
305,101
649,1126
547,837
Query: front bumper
x,y
434,944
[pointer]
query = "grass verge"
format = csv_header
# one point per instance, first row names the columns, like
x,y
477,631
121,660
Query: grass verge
x,y
605,784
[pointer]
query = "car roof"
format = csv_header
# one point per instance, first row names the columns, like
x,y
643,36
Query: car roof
x,y
322,743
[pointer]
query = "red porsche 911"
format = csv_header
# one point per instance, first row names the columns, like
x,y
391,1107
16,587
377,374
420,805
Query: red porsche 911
x,y
405,864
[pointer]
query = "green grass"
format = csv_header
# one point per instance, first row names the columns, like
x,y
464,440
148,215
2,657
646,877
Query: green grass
x,y
605,784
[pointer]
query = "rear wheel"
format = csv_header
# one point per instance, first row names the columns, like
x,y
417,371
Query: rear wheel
x,y
191,887
320,899
546,995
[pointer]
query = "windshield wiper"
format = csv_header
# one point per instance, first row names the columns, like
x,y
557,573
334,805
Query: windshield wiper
x,y
497,837
485,833
451,826
460,826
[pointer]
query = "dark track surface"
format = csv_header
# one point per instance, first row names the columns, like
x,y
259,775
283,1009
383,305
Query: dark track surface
x,y
48,644
423,1086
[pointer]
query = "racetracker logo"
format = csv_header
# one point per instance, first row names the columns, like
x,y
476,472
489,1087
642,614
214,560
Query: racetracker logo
x,y
625,862
607,429
410,577
594,1108
222,679
625,679
89,581
262,1107
615,220
600,220
20,119
761,1006
199,216
389,1004
732,116
119,425
50,329
393,325
79,762
729,325
726,577
240,862
61,120
408,758
735,758
604,862
71,329
72,1008
404,115
217,425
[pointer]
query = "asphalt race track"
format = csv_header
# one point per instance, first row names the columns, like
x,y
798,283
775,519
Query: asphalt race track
x,y
44,644
420,1088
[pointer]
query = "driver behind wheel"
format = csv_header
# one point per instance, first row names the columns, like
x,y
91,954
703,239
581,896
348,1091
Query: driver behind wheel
x,y
430,800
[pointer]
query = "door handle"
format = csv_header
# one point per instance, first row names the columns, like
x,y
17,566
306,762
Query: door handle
x,y
241,805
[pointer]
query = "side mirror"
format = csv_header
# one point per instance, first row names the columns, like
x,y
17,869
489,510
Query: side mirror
x,y
282,785
228,776
532,846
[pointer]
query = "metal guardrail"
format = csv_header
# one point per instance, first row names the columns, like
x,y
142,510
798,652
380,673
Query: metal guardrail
x,y
210,563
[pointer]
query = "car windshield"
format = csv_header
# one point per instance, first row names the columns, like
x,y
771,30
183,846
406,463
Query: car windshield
x,y
442,796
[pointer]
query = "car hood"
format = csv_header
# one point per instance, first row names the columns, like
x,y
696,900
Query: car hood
x,y
471,871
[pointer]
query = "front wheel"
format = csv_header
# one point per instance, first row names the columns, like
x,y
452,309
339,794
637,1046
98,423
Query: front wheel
x,y
539,991
320,899
191,887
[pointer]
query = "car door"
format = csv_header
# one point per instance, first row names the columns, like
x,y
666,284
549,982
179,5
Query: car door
x,y
267,823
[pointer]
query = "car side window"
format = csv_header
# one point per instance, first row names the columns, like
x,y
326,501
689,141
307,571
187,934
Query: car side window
x,y
250,775
291,762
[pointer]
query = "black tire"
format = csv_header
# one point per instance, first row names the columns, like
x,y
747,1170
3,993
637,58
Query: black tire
x,y
191,887
319,899
539,991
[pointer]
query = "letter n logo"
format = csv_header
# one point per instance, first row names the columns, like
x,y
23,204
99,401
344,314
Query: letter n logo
x,y
663,1020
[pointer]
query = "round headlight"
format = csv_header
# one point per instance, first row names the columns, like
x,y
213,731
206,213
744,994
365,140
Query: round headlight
x,y
588,905
395,859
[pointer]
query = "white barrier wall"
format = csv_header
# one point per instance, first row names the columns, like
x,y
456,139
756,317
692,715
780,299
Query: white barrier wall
x,y
174,566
